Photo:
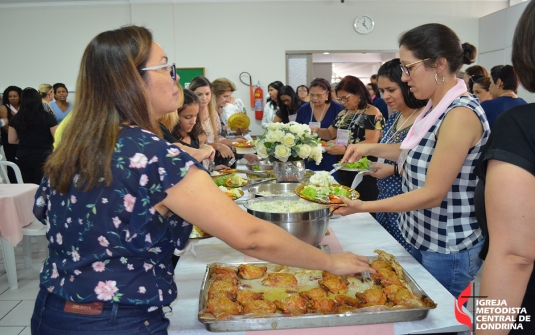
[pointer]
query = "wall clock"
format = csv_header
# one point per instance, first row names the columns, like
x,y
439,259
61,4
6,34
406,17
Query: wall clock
x,y
364,24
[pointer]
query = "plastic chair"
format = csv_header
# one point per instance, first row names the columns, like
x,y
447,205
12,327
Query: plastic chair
x,y
35,228
3,172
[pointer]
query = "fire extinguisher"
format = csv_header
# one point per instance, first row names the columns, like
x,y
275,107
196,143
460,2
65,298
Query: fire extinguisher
x,y
258,102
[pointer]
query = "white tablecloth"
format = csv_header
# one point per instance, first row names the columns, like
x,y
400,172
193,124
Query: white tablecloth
x,y
358,233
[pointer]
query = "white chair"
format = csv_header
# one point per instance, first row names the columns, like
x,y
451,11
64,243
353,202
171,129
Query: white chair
x,y
3,172
35,228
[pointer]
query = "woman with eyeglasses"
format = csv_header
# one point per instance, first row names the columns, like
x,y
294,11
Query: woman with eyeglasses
x,y
272,107
503,86
436,159
358,122
474,70
117,200
288,103
481,88
320,112
406,109
302,93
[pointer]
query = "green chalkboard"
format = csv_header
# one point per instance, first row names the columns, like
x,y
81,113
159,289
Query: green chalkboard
x,y
188,73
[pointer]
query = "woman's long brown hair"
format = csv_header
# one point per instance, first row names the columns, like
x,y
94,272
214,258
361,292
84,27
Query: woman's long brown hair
x,y
110,92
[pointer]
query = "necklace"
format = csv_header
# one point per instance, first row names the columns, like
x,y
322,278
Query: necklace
x,y
397,128
507,94
322,113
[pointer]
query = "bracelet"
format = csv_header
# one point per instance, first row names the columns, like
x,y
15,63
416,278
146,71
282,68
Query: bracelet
x,y
396,170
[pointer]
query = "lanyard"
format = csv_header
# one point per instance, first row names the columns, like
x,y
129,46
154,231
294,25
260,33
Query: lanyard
x,y
398,128
322,113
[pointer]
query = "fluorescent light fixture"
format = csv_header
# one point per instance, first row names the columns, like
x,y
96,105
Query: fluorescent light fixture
x,y
325,53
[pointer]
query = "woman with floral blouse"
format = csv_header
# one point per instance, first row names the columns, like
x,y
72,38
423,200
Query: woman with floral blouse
x,y
117,200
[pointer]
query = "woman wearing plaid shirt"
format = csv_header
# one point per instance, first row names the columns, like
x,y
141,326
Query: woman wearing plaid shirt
x,y
436,159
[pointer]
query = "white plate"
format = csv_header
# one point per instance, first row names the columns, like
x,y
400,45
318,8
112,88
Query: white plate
x,y
355,170
243,151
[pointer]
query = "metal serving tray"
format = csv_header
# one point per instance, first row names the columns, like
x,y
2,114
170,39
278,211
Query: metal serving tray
x,y
369,315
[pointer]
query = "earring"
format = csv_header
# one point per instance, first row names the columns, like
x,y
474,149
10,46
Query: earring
x,y
436,80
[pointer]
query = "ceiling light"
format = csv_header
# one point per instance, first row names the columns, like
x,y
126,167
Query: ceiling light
x,y
325,53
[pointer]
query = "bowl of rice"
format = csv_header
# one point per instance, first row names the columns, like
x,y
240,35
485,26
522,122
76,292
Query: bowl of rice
x,y
308,221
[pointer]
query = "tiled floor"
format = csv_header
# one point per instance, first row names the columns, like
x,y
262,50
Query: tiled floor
x,y
16,306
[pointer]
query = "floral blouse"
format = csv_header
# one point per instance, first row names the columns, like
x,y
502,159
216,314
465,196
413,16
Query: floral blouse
x,y
358,123
109,244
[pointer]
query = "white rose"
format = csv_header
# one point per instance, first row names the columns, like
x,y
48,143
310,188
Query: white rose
x,y
304,151
261,150
317,158
274,126
316,154
288,140
274,136
282,152
296,129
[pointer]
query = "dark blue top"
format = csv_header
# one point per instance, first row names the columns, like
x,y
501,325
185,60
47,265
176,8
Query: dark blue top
x,y
493,108
381,106
109,244
304,115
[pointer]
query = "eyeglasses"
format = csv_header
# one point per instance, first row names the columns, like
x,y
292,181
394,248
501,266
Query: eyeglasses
x,y
405,68
172,69
312,96
343,100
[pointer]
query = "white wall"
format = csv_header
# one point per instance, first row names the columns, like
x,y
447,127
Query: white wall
x,y
496,38
45,44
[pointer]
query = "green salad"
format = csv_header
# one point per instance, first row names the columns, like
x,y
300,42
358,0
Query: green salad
x,y
232,180
318,193
363,163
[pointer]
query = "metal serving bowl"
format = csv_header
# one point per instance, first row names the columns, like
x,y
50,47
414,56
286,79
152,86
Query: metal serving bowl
x,y
309,227
263,165
277,189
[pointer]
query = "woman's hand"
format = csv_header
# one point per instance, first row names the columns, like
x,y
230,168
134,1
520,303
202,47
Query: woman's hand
x,y
353,206
251,158
347,263
380,170
335,149
225,151
355,152
208,150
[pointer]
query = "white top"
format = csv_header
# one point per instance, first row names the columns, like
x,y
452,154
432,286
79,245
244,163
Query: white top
x,y
269,114
230,109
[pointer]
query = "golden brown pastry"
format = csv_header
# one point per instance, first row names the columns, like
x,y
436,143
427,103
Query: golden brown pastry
x,y
280,280
250,271
259,307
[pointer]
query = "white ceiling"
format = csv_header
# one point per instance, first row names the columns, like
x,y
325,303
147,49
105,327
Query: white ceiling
x,y
66,2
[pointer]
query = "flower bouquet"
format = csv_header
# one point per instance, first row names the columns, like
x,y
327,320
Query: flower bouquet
x,y
287,145
291,141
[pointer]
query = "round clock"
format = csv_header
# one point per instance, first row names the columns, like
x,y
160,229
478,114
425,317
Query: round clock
x,y
364,24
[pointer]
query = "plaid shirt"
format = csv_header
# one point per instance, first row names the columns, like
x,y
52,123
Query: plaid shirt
x,y
452,226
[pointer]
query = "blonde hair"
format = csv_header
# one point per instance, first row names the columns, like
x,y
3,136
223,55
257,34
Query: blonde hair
x,y
44,89
170,120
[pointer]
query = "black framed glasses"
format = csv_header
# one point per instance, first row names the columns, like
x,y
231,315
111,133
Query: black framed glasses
x,y
343,100
172,69
406,68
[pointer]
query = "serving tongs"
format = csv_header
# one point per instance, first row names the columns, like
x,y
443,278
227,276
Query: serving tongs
x,y
256,173
249,186
337,167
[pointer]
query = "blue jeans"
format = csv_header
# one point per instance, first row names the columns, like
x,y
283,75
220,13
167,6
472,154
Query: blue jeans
x,y
49,318
454,271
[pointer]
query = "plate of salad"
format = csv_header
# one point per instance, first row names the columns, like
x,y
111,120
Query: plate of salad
x,y
362,165
328,195
231,180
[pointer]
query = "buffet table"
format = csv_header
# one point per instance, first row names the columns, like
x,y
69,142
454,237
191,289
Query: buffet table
x,y
358,233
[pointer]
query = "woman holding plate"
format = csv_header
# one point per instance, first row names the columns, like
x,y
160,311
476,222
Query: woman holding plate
x,y
407,108
436,159
359,122
320,112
